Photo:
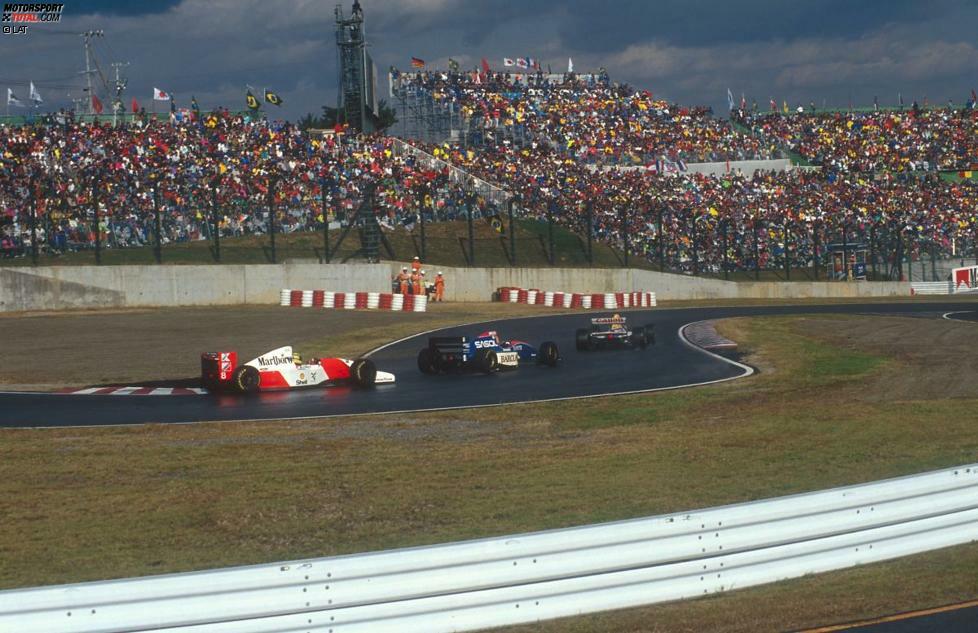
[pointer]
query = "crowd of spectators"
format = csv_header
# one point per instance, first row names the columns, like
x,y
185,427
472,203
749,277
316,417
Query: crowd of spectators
x,y
884,140
588,117
586,162
221,161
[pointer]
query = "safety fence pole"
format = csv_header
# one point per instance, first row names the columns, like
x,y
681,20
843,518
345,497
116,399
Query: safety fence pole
x,y
786,235
98,229
590,232
623,227
34,194
696,243
326,206
816,255
468,213
662,243
215,223
551,255
724,227
757,251
512,232
158,226
271,218
424,236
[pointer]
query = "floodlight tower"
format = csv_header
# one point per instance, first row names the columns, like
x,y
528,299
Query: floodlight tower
x,y
356,100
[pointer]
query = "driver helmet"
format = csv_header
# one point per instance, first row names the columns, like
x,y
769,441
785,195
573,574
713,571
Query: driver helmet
x,y
296,358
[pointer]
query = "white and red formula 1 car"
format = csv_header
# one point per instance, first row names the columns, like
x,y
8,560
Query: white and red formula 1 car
x,y
280,369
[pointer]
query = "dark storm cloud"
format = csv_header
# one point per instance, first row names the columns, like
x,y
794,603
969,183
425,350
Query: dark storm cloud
x,y
689,51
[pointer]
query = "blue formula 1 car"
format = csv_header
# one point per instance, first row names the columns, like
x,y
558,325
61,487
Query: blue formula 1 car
x,y
485,353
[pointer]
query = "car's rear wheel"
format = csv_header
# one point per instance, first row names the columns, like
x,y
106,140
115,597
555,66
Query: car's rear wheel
x,y
639,338
364,372
486,360
548,354
427,361
583,340
246,379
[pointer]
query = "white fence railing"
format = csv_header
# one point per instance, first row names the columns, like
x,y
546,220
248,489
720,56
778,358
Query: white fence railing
x,y
528,577
496,195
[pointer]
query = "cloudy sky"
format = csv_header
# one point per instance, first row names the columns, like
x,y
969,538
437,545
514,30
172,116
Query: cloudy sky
x,y
690,51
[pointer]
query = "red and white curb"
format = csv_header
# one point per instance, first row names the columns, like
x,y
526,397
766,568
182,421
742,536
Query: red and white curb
x,y
136,391
586,300
353,300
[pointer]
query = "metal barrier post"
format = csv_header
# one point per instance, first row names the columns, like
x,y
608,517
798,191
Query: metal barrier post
x,y
787,257
757,251
623,227
34,193
158,228
590,232
424,237
98,230
550,232
271,217
322,189
845,251
662,244
512,232
696,244
815,256
215,224
724,227
468,213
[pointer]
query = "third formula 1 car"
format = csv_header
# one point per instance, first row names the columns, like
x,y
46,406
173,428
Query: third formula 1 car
x,y
485,353
281,369
613,331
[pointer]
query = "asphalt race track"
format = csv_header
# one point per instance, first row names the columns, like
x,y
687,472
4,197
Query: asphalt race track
x,y
671,363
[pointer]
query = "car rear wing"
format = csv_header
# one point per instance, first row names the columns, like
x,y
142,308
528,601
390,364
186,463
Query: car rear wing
x,y
607,320
448,345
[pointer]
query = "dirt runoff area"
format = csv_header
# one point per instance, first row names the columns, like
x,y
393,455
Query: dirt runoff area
x,y
50,351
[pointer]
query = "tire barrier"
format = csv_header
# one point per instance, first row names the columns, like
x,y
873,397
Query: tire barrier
x,y
357,300
505,580
585,300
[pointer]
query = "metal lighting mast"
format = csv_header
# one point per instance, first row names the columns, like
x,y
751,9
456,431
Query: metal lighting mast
x,y
88,35
120,85
356,102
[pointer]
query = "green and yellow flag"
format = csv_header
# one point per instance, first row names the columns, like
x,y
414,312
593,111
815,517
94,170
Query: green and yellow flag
x,y
272,98
251,101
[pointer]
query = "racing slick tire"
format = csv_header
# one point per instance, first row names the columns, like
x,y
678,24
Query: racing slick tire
x,y
364,372
246,379
486,360
427,361
582,338
548,354
640,338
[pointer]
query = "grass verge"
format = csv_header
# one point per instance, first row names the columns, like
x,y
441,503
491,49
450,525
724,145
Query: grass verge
x,y
99,503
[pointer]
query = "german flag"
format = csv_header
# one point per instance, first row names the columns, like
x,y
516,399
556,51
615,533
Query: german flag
x,y
272,98
251,101
417,62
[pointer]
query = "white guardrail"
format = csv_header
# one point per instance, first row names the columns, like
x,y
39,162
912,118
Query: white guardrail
x,y
528,577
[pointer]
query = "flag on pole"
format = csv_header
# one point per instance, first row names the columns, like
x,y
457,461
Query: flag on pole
x,y
194,106
743,101
36,96
135,105
160,95
784,106
96,104
12,99
508,62
453,65
417,62
173,105
272,98
251,101
570,65
774,105
521,62
900,97
485,66
730,100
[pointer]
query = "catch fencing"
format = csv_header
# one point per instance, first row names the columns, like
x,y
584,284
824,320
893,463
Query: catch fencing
x,y
529,577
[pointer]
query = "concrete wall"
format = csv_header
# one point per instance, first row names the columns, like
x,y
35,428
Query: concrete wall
x,y
61,287
73,287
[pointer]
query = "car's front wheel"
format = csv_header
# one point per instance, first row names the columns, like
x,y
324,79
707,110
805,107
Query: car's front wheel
x,y
582,340
640,338
548,354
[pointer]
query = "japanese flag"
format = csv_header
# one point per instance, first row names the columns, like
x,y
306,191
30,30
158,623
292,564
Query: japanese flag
x,y
160,95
